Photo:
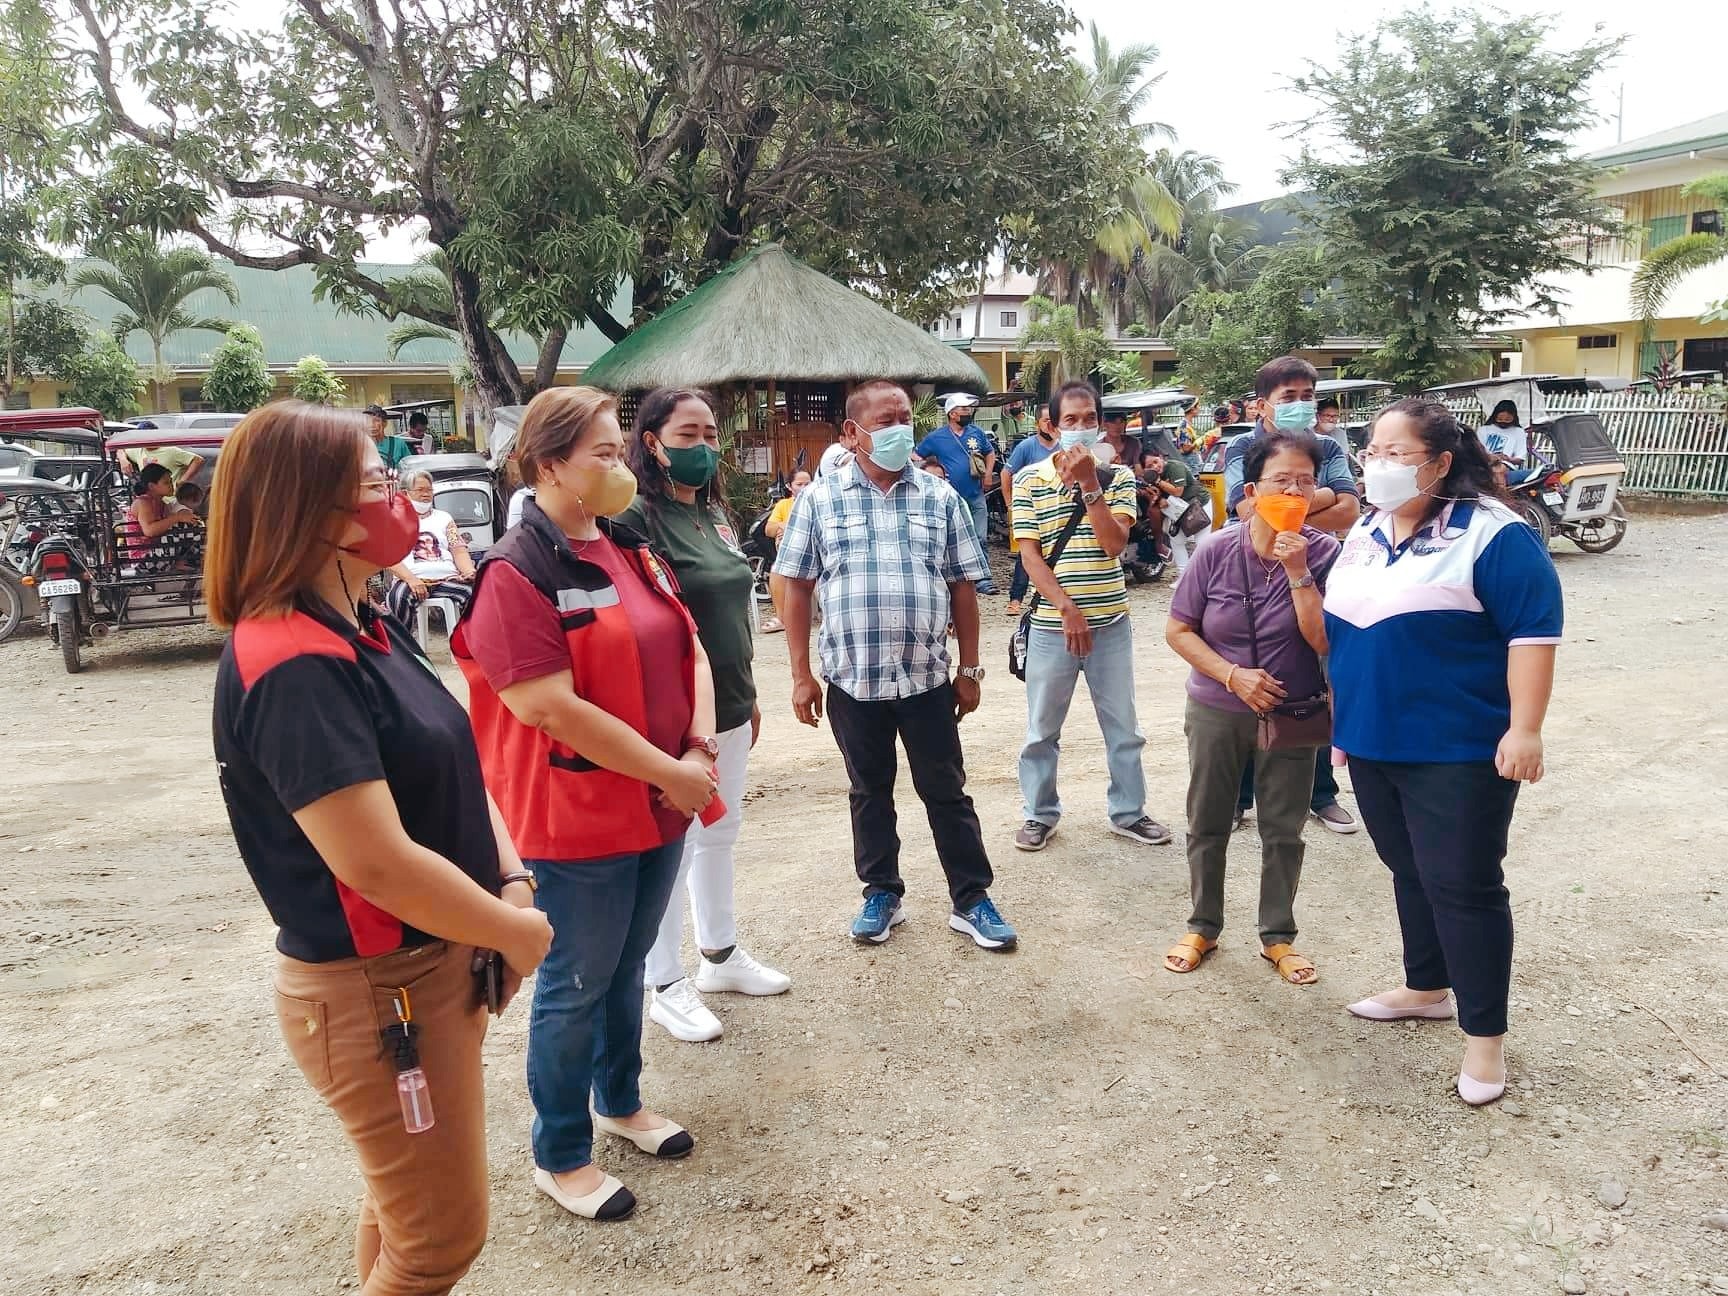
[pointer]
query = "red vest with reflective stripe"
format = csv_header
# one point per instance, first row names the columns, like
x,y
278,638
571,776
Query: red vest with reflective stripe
x,y
558,805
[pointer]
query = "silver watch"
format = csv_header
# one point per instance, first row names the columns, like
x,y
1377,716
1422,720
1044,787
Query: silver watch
x,y
972,673
1092,496
1303,583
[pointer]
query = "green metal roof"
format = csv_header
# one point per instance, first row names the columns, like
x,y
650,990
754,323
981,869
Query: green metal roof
x,y
280,305
1699,136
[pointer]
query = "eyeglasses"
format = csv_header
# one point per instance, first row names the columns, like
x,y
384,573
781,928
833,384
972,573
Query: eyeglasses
x,y
1396,455
1283,484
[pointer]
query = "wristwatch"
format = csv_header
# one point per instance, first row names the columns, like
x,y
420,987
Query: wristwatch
x,y
1303,583
708,746
521,875
1092,496
972,673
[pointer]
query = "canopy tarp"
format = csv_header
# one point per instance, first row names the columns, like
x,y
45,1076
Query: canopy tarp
x,y
770,318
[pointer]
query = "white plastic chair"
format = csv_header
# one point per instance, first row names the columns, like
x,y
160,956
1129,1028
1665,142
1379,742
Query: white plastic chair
x,y
423,617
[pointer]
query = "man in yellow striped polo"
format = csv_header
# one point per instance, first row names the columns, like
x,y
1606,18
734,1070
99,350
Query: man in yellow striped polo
x,y
1079,619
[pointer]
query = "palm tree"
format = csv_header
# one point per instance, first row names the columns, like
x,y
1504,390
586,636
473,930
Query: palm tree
x,y
1094,281
153,284
1663,268
1211,251
1053,335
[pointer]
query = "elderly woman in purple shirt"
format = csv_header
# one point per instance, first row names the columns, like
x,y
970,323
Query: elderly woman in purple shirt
x,y
1247,617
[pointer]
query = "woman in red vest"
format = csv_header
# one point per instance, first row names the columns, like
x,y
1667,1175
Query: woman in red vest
x,y
593,706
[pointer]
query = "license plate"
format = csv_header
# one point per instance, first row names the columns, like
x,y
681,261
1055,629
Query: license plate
x,y
1593,495
49,589
1552,498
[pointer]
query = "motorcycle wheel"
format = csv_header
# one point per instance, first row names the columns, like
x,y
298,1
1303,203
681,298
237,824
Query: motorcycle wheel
x,y
69,646
11,607
1533,516
1600,539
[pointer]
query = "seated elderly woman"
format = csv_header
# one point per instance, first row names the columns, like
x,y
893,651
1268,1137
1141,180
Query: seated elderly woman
x,y
439,566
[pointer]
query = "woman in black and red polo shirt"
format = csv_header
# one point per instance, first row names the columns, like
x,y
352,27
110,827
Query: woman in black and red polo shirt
x,y
594,706
355,794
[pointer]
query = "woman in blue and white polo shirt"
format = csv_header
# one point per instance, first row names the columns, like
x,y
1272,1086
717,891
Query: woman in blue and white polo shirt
x,y
1443,614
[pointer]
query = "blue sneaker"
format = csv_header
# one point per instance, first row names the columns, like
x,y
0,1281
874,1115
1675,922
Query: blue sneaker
x,y
987,928
878,918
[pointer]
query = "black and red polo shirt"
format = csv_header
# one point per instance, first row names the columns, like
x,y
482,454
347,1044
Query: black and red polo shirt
x,y
307,705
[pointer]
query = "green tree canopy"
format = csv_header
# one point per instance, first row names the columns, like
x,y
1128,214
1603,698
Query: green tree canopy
x,y
1445,184
239,379
315,382
1053,339
1227,336
553,151
43,338
104,377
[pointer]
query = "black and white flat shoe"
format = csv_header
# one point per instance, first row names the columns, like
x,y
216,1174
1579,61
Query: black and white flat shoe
x,y
670,1142
610,1201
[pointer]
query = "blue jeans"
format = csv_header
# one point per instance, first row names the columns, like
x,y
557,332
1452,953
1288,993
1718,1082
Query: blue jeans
x,y
1019,582
585,1028
980,507
1051,672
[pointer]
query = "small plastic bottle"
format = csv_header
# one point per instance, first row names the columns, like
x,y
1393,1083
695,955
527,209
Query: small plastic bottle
x,y
412,1091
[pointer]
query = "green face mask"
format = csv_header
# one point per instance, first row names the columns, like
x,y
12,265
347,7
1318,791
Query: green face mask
x,y
691,466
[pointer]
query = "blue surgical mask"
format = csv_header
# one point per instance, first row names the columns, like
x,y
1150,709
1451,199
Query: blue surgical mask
x,y
1294,416
891,447
1072,437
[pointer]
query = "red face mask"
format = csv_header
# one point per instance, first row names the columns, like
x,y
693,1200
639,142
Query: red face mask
x,y
392,527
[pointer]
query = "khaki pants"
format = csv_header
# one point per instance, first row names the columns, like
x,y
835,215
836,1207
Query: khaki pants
x,y
423,1216
1220,746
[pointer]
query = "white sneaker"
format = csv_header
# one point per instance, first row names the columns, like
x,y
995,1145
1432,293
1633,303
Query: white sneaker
x,y
742,974
681,1011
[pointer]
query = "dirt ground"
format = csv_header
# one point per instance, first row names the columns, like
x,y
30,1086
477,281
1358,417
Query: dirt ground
x,y
924,1116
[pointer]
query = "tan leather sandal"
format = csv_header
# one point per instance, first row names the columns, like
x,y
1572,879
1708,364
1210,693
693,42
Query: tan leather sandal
x,y
1188,953
1291,966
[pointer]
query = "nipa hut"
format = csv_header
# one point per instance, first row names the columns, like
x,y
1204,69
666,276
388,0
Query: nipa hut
x,y
780,345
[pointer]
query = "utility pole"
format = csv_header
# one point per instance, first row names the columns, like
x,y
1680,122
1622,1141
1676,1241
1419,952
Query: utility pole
x,y
1620,117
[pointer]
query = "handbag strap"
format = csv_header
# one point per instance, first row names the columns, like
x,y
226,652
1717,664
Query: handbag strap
x,y
1068,530
1248,602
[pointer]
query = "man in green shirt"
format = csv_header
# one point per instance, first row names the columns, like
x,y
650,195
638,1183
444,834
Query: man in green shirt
x,y
392,449
1178,488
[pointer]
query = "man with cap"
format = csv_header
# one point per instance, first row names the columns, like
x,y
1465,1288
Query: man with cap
x,y
968,461
392,449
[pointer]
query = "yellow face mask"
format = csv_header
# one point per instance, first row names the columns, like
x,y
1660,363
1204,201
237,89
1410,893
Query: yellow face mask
x,y
604,492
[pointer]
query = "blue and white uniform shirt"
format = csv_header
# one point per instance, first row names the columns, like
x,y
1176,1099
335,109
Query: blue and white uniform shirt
x,y
1420,632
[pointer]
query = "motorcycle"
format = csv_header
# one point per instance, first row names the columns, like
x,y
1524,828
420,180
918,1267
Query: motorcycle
x,y
61,577
1577,494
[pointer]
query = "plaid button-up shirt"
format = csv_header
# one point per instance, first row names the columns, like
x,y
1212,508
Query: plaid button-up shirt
x,y
882,561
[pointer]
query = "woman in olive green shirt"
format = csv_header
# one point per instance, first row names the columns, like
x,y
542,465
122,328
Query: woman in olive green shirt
x,y
674,451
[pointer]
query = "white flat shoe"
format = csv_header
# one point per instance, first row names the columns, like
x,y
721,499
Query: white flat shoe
x,y
670,1142
1374,1010
1478,1093
610,1201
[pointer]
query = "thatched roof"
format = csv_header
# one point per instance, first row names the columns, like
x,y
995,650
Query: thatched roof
x,y
768,316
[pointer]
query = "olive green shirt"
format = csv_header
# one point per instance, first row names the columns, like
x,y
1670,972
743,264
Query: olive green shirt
x,y
715,578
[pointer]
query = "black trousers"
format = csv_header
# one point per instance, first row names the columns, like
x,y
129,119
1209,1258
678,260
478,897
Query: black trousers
x,y
1441,829
865,732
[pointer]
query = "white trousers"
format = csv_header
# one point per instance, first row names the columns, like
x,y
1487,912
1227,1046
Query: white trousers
x,y
1180,545
706,871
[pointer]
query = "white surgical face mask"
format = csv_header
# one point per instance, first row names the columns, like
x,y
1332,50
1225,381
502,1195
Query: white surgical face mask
x,y
1390,485
422,507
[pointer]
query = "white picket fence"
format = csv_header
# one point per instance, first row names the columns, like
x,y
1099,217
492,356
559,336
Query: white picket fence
x,y
1672,443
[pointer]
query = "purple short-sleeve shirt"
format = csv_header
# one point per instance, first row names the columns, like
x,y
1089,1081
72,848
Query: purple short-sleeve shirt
x,y
1210,599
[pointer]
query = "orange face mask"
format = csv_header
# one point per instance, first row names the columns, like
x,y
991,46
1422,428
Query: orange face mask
x,y
1282,512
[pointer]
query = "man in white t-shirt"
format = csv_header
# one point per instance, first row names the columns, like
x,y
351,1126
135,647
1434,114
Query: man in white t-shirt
x,y
837,455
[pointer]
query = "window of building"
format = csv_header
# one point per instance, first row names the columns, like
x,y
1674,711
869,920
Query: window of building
x,y
192,402
1164,366
1664,229
1338,362
1598,341
1707,222
19,399
1707,353
1010,319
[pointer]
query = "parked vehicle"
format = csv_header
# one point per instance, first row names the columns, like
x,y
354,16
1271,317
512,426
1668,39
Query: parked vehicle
x,y
89,579
29,510
1571,484
1148,405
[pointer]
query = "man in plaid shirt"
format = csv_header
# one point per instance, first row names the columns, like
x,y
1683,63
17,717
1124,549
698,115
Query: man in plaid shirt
x,y
893,555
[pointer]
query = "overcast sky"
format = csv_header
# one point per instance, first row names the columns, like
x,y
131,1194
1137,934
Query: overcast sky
x,y
1226,65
